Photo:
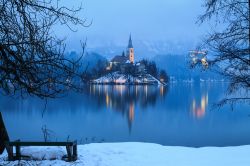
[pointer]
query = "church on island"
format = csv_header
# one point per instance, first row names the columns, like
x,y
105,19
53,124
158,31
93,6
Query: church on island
x,y
123,69
125,58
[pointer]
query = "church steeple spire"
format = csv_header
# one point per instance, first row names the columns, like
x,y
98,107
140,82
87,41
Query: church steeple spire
x,y
130,50
130,44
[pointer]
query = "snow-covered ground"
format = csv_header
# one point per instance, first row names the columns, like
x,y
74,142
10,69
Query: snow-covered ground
x,y
138,154
119,78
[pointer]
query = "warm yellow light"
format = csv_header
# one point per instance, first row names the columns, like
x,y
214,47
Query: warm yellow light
x,y
161,90
107,100
199,110
203,103
131,112
204,62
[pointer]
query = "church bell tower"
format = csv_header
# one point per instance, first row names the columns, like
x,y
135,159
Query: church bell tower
x,y
130,51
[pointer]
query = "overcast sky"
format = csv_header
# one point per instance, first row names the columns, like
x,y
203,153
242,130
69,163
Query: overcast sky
x,y
114,20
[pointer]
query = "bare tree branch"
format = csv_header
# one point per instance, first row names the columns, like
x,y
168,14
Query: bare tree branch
x,y
32,57
230,45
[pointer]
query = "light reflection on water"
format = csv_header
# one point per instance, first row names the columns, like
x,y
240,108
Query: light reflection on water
x,y
124,99
199,107
176,115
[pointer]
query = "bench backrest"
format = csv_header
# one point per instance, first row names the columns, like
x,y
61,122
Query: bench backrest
x,y
3,134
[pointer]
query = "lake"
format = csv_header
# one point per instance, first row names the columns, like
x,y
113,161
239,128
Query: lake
x,y
178,115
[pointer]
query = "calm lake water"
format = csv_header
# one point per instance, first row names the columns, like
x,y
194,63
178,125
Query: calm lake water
x,y
179,115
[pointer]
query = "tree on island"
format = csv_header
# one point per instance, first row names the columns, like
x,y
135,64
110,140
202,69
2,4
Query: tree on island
x,y
151,67
153,70
32,59
230,44
99,70
163,77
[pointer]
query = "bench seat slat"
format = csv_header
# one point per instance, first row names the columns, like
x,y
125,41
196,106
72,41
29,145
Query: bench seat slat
x,y
19,143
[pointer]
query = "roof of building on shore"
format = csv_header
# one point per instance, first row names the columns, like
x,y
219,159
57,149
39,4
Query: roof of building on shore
x,y
120,59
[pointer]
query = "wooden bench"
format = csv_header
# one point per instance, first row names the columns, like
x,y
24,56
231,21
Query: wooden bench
x,y
71,147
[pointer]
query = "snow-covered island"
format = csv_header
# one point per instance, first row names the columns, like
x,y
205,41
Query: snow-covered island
x,y
121,78
122,69
136,154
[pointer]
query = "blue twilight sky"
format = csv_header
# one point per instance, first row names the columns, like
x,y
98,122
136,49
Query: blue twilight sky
x,y
151,20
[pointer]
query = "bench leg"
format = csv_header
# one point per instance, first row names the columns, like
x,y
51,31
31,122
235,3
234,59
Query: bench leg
x,y
10,152
75,152
18,153
69,152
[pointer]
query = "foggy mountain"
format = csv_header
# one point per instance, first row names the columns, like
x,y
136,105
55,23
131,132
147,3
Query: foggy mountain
x,y
89,60
143,48
177,66
171,56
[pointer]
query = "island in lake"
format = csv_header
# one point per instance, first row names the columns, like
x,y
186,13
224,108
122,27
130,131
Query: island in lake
x,y
122,69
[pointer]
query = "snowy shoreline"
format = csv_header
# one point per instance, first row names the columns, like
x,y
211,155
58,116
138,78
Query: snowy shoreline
x,y
137,154
117,78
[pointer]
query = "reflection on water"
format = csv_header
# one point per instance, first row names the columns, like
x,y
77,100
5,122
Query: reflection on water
x,y
131,111
199,106
176,115
122,98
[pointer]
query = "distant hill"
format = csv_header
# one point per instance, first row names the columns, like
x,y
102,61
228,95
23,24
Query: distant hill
x,y
89,60
92,59
177,66
143,48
